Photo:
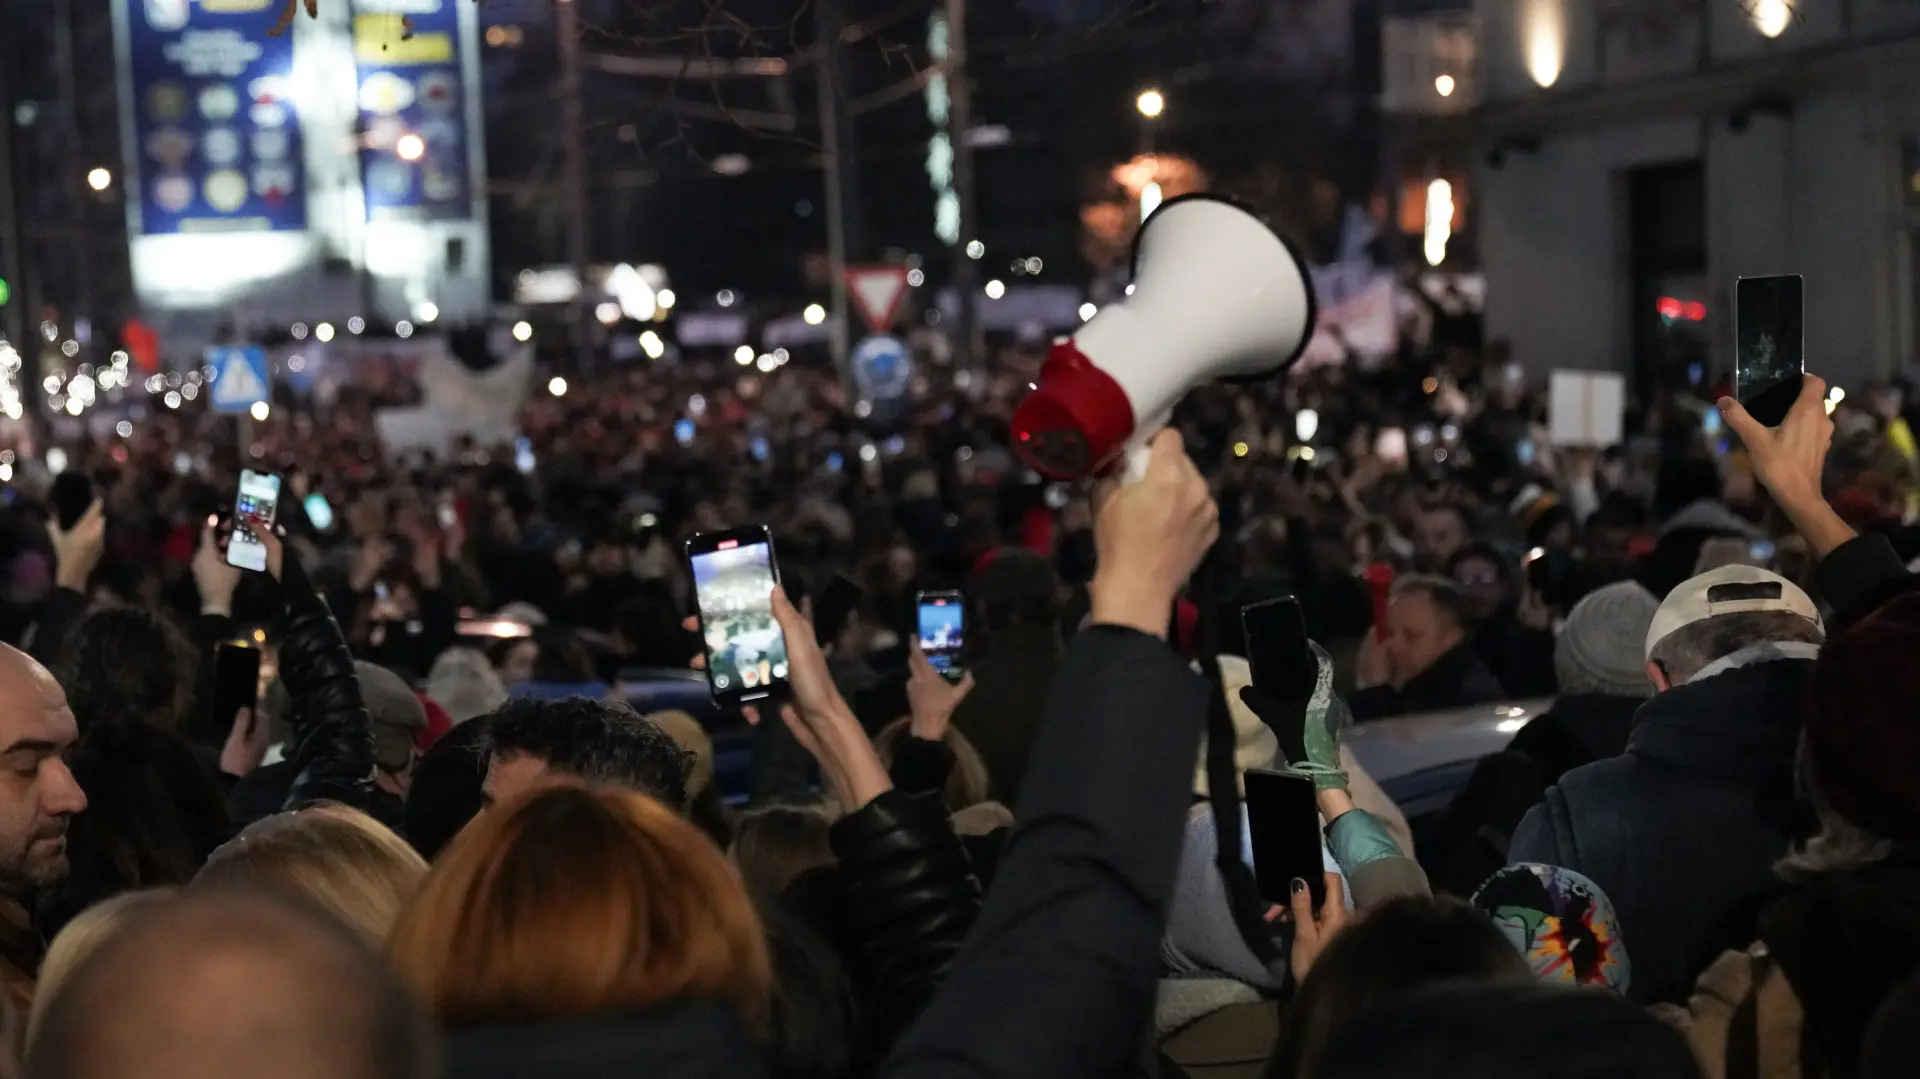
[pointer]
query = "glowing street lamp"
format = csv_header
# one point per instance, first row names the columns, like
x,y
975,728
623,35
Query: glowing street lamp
x,y
410,147
1150,103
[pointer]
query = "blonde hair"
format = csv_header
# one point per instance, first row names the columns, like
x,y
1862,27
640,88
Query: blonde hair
x,y
82,937
339,858
574,901
966,784
771,846
985,818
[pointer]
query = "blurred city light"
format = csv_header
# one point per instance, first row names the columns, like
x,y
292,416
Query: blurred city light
x,y
768,363
172,399
260,410
915,278
427,311
410,147
1087,311
403,329
1543,31
557,386
743,355
356,324
725,297
1033,264
1771,17
975,249
996,289
323,332
1439,221
651,344
1150,103
814,315
523,331
1443,86
665,299
124,428
608,313
299,331
99,179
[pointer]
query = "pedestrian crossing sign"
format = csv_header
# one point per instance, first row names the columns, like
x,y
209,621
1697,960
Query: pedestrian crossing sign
x,y
240,378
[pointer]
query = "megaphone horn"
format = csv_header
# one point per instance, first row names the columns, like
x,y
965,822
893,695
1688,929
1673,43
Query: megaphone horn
x,y
1216,295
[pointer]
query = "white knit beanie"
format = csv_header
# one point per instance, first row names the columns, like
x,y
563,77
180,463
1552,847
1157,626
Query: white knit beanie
x,y
1602,646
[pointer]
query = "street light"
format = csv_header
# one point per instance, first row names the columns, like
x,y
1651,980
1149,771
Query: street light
x,y
410,147
814,315
1443,85
1150,103
99,179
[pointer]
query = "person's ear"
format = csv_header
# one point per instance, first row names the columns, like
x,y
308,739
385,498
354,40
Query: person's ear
x,y
1658,676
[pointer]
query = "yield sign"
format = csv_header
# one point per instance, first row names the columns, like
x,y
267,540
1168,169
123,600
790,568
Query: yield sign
x,y
877,292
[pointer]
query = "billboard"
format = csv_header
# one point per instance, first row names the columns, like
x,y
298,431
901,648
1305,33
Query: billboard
x,y
215,136
413,109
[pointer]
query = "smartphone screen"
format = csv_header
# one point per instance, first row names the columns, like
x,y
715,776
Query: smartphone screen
x,y
733,582
1278,652
254,507
1283,821
1768,337
319,511
236,683
943,621
1391,445
523,460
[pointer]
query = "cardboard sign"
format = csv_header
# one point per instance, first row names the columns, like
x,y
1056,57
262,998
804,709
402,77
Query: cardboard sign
x,y
1587,408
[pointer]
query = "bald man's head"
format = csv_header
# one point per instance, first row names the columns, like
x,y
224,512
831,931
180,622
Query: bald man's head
x,y
38,795
232,983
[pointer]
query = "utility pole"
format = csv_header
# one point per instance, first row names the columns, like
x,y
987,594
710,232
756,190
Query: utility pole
x,y
75,173
960,127
568,26
829,103
14,325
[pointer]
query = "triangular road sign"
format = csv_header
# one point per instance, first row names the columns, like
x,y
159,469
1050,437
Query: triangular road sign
x,y
877,292
240,378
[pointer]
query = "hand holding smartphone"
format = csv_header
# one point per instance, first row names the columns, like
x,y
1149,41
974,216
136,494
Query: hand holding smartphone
x,y
1769,341
255,507
734,575
942,622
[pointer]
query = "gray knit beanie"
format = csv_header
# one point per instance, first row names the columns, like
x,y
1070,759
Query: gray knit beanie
x,y
1602,646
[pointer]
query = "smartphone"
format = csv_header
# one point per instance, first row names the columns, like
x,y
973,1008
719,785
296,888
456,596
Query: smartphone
x,y
943,623
1525,453
236,683
1278,652
734,575
523,459
72,493
831,610
319,511
1548,574
254,507
683,432
1769,336
1283,822
758,448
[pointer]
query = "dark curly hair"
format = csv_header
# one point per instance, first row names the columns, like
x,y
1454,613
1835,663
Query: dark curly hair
x,y
126,665
598,741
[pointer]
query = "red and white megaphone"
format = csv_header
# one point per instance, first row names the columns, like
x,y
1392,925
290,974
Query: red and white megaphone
x,y
1216,295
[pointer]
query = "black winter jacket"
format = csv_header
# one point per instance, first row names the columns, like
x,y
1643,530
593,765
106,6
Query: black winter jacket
x,y
331,748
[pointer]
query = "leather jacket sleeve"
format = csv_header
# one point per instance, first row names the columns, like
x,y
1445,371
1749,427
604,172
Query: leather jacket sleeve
x,y
910,888
332,745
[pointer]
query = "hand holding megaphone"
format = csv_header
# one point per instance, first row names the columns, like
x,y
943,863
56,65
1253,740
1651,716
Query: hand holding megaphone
x,y
1149,536
1216,294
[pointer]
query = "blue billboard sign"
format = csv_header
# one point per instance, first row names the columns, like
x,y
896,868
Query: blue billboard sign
x,y
216,136
414,155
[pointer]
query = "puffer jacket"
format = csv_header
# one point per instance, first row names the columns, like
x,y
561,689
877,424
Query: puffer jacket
x,y
911,893
331,748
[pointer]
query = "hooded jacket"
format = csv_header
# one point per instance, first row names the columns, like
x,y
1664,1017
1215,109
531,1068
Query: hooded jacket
x,y
1687,823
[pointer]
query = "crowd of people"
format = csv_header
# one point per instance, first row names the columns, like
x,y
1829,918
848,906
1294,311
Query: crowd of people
x,y
440,843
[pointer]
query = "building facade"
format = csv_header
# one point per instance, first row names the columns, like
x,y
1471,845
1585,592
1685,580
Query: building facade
x,y
1632,158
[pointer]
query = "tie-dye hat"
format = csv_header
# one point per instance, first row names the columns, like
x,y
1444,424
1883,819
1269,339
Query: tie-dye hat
x,y
1562,923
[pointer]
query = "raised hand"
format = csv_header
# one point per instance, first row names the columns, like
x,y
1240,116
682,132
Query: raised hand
x,y
931,696
77,551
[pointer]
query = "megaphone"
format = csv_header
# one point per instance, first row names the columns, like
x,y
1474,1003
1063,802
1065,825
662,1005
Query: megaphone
x,y
1216,295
